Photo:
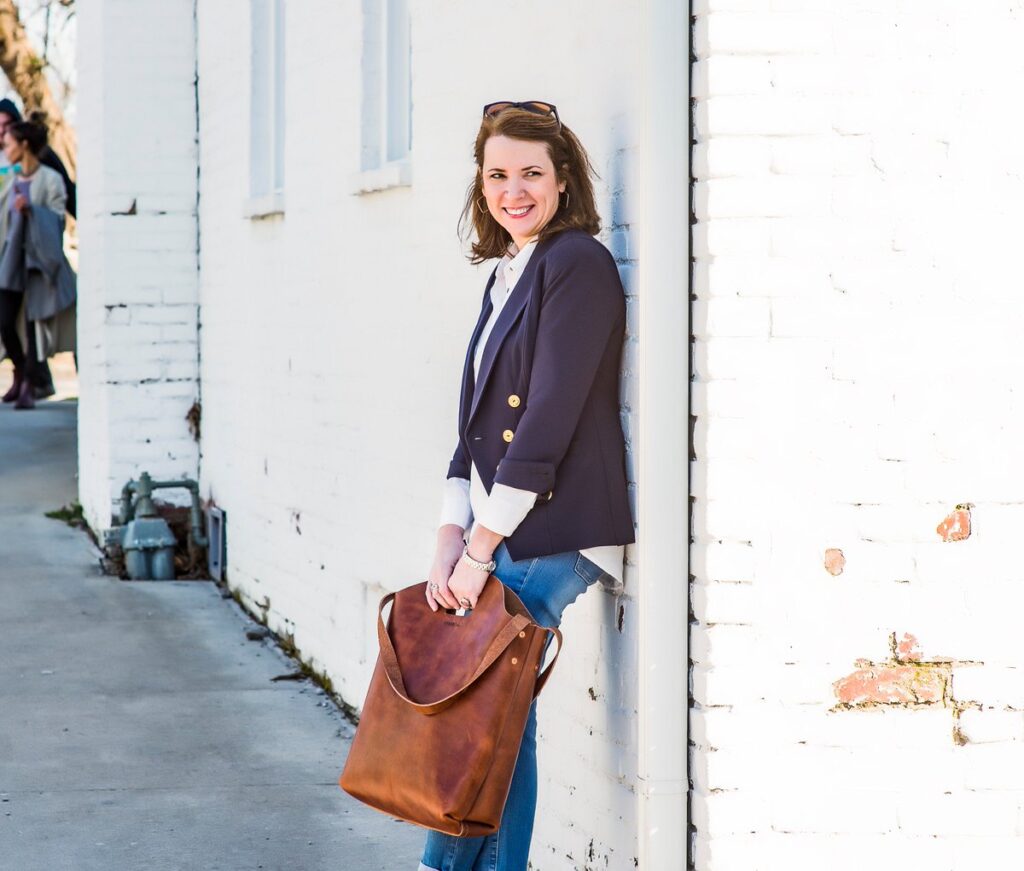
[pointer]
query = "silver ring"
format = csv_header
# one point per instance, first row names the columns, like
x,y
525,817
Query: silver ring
x,y
464,602
434,588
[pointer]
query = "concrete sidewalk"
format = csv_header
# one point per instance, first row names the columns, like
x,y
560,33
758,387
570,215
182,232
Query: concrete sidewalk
x,y
139,729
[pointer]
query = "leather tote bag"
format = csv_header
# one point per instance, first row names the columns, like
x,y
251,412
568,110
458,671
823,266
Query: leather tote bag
x,y
446,709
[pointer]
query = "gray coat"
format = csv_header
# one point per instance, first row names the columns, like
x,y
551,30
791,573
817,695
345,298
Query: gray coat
x,y
32,259
50,285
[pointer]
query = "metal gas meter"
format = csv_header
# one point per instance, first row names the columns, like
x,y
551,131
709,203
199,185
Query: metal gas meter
x,y
146,539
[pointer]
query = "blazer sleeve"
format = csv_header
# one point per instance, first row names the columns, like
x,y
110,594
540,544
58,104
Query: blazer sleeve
x,y
459,466
583,306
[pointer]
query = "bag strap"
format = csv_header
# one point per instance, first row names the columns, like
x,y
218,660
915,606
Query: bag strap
x,y
542,678
390,659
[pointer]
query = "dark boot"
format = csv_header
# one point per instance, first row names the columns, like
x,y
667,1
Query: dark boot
x,y
25,397
42,380
12,394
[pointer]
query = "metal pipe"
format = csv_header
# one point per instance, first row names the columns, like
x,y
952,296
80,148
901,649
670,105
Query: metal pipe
x,y
195,512
663,438
127,512
197,530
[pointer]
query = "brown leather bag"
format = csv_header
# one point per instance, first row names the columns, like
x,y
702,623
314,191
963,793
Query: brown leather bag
x,y
446,709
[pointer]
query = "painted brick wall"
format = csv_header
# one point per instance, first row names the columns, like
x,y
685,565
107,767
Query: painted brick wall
x,y
333,340
138,285
856,378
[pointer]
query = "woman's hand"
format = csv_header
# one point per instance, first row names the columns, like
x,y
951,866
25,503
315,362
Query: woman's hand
x,y
466,584
446,556
21,203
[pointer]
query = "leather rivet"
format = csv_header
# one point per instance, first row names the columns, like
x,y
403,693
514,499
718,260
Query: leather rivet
x,y
515,661
522,634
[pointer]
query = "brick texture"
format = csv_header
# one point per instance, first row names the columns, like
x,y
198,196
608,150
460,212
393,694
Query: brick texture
x,y
138,281
857,194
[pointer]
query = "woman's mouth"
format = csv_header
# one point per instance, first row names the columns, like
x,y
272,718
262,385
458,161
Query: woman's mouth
x,y
520,212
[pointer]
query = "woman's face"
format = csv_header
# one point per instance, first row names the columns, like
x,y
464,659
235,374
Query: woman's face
x,y
520,186
13,149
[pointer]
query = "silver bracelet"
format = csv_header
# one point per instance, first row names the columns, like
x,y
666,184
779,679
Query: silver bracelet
x,y
476,564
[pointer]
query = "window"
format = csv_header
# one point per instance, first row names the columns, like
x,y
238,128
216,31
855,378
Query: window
x,y
387,99
267,119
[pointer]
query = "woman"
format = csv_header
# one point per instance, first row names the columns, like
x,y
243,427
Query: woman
x,y
34,188
540,460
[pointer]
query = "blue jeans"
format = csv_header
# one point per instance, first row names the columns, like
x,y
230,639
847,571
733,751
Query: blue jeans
x,y
547,586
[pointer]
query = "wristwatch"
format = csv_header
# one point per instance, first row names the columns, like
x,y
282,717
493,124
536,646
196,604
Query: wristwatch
x,y
476,564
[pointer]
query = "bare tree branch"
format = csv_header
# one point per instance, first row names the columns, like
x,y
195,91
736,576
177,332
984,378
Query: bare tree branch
x,y
26,73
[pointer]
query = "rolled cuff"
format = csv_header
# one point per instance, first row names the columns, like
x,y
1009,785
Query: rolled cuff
x,y
455,504
538,477
458,469
505,509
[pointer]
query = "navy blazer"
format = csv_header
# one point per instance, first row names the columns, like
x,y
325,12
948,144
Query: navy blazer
x,y
544,415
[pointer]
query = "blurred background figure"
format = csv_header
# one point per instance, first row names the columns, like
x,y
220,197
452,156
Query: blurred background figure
x,y
37,286
40,376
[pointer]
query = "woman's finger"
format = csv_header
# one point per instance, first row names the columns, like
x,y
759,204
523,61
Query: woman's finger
x,y
430,598
445,596
465,600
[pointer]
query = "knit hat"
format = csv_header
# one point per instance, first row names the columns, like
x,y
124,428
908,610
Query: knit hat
x,y
7,107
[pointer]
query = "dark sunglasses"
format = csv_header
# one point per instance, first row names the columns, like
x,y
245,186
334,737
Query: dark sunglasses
x,y
537,107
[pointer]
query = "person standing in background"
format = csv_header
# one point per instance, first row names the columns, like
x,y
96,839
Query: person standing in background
x,y
40,378
9,114
35,193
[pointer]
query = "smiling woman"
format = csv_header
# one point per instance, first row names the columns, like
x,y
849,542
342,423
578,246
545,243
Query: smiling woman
x,y
530,161
536,491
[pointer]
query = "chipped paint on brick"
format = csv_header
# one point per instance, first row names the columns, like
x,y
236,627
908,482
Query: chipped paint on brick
x,y
893,685
906,680
835,561
957,524
959,737
906,649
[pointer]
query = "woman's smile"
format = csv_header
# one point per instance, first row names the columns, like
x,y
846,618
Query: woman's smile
x,y
520,186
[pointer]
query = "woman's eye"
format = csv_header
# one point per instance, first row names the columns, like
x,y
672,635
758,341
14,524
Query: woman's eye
x,y
497,176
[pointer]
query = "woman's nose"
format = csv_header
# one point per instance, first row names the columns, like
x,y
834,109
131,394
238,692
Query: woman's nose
x,y
514,190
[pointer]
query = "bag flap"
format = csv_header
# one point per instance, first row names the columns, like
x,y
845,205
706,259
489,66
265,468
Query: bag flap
x,y
439,652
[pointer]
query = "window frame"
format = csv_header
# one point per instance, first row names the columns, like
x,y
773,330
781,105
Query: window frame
x,y
267,128
385,154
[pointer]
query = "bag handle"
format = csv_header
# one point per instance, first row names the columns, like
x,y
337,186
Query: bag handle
x,y
542,678
510,631
390,659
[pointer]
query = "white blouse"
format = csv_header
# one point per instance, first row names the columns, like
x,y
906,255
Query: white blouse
x,y
504,508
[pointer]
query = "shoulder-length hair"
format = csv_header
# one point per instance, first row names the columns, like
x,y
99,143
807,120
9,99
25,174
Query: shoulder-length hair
x,y
572,165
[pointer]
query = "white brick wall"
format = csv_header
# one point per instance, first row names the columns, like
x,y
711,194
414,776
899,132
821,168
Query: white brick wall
x,y
138,288
333,340
858,198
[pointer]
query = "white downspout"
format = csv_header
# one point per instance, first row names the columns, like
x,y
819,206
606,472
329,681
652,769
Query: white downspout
x,y
663,444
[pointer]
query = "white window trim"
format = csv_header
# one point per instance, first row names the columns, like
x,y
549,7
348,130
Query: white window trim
x,y
396,174
267,203
378,110
264,206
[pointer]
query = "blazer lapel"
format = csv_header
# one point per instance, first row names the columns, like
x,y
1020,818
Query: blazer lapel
x,y
513,307
467,371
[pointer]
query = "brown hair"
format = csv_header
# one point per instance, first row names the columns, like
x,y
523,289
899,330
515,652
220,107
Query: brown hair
x,y
31,132
572,165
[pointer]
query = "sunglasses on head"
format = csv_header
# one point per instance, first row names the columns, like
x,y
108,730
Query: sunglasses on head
x,y
537,107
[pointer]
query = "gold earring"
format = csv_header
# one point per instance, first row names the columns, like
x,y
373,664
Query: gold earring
x,y
482,208
566,199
